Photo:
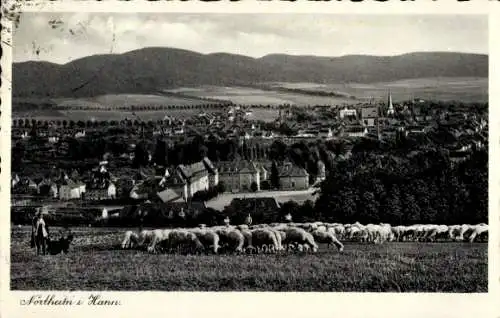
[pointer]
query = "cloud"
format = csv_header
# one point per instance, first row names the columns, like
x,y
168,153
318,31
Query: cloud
x,y
83,34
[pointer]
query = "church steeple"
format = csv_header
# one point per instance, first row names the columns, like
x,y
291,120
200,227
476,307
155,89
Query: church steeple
x,y
390,107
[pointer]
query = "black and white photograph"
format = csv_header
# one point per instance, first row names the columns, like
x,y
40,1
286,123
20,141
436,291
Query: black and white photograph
x,y
256,152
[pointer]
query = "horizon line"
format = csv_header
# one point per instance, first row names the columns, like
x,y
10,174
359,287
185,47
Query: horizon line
x,y
255,58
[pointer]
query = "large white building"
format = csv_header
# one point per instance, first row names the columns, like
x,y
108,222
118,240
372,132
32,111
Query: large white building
x,y
347,113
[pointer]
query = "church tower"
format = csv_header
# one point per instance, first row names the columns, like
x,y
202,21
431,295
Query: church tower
x,y
390,107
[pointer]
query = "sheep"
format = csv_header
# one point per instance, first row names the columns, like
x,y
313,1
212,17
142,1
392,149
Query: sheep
x,y
265,239
232,239
158,236
208,238
185,240
297,235
130,240
328,238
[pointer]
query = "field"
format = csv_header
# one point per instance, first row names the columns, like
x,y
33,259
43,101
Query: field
x,y
107,115
95,263
444,89
127,100
252,96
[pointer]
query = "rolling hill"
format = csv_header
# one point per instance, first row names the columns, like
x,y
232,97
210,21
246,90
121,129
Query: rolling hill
x,y
151,69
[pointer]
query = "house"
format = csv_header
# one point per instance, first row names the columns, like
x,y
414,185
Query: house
x,y
293,177
48,187
171,195
239,175
343,113
355,131
369,116
26,185
70,189
198,176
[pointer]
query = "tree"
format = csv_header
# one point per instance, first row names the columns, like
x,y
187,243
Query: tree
x,y
275,177
254,186
391,210
265,185
140,156
221,187
160,154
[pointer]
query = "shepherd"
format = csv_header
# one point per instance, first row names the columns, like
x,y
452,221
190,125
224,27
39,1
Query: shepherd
x,y
40,233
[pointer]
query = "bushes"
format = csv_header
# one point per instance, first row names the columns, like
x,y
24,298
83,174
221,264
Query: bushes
x,y
206,195
265,185
254,186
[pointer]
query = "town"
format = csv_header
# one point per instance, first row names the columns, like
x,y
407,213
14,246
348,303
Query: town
x,y
219,163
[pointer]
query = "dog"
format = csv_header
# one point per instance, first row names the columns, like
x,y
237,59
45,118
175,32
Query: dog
x,y
61,245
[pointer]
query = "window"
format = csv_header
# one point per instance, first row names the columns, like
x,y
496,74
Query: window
x,y
293,184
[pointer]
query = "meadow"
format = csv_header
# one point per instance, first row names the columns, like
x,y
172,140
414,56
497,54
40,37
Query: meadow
x,y
127,100
464,89
95,262
101,107
253,96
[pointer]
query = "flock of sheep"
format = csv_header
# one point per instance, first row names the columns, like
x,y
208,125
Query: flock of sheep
x,y
301,237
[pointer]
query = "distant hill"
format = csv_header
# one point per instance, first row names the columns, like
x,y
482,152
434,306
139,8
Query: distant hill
x,y
151,69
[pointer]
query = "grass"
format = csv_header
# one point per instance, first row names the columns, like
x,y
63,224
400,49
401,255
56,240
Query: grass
x,y
251,96
465,89
127,100
95,263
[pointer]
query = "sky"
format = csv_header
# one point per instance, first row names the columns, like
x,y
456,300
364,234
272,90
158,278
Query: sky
x,y
60,38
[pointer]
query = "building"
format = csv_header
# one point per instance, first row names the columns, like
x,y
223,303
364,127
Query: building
x,y
355,131
390,107
172,195
240,175
345,113
293,177
70,189
199,176
48,187
369,116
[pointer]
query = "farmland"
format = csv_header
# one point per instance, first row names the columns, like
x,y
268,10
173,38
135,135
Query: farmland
x,y
253,96
444,89
182,102
128,100
95,263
